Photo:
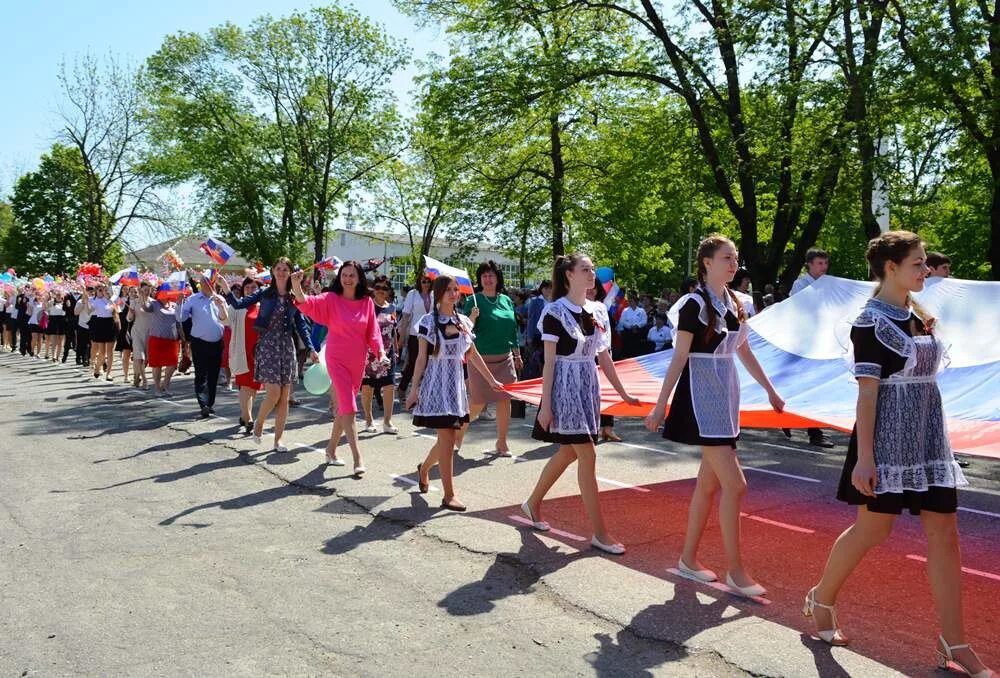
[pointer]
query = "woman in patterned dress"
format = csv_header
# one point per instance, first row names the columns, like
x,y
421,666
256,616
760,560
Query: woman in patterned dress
x,y
379,375
574,332
704,410
274,355
438,397
899,456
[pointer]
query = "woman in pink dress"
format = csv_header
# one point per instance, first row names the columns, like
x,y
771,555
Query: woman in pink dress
x,y
348,313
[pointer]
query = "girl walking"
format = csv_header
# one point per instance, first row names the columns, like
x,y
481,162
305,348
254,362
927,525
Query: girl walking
x,y
574,332
103,329
241,352
705,409
438,397
378,375
899,456
55,332
140,315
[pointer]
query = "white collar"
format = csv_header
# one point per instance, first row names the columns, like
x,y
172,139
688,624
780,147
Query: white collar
x,y
570,305
889,310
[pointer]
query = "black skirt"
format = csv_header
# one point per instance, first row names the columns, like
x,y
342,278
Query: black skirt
x,y
440,421
538,433
935,499
681,425
102,330
57,326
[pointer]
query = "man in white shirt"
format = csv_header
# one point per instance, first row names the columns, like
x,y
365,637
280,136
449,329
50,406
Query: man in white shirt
x,y
940,265
817,264
207,311
741,290
632,322
659,334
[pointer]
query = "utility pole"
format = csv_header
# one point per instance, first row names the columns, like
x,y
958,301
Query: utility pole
x,y
689,225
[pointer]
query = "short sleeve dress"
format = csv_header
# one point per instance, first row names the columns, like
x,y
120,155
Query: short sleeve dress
x,y
580,333
704,409
377,374
914,464
442,401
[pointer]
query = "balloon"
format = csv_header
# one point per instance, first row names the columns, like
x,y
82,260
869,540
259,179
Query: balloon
x,y
39,284
316,380
605,274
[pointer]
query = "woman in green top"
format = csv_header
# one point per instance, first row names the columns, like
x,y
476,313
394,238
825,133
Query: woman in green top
x,y
493,313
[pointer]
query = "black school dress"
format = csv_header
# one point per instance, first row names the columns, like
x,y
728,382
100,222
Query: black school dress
x,y
580,334
915,467
681,425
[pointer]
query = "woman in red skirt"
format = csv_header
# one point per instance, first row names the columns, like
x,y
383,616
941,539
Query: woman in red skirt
x,y
240,353
164,344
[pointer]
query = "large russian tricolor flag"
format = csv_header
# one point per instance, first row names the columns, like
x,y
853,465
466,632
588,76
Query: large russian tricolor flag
x,y
434,268
797,344
217,251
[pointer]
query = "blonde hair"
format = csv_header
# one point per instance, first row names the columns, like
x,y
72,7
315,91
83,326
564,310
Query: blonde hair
x,y
895,246
706,250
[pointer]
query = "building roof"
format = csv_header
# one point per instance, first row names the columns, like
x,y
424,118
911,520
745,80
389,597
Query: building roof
x,y
187,249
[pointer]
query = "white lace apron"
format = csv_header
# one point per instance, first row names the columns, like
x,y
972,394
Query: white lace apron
x,y
576,389
442,388
911,447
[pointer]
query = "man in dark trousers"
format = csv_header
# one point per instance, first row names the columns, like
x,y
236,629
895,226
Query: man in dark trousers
x,y
207,311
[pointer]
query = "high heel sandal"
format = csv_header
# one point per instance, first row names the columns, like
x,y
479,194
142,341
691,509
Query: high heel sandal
x,y
946,656
421,485
610,437
832,636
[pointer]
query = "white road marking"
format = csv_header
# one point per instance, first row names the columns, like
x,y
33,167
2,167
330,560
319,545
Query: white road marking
x,y
410,481
719,586
777,523
561,533
618,483
982,513
779,473
786,447
650,449
967,570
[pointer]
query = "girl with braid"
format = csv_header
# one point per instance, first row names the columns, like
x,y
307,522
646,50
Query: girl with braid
x,y
710,330
438,397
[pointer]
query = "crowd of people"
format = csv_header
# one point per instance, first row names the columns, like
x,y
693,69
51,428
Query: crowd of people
x,y
457,355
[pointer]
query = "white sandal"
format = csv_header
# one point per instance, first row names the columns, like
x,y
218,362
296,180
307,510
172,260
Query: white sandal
x,y
946,656
832,636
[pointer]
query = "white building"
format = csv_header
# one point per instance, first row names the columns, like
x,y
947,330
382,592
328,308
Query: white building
x,y
395,249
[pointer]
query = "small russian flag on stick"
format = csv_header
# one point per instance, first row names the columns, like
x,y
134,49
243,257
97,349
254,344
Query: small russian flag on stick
x,y
127,277
217,251
435,268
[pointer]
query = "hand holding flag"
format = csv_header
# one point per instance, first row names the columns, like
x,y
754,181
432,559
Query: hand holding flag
x,y
435,268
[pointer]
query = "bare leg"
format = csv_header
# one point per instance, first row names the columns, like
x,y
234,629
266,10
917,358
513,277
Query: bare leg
x,y
554,468
246,403
109,354
446,463
168,372
271,394
503,425
281,413
944,569
157,371
126,362
347,423
722,460
367,395
475,409
698,513
869,530
586,476
387,401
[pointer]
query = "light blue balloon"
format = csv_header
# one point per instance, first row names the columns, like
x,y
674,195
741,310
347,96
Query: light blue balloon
x,y
605,273
316,380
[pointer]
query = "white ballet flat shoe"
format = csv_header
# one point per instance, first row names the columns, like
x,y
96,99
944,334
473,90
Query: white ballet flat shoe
x,y
389,428
613,549
700,575
946,656
539,525
752,591
832,636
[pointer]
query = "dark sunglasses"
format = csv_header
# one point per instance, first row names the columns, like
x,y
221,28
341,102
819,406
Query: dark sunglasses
x,y
383,288
425,281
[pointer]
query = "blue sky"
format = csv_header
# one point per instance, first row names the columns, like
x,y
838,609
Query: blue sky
x,y
35,37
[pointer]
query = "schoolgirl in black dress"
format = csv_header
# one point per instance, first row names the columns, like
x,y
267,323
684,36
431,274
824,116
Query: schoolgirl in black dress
x,y
574,331
705,408
438,398
55,332
899,457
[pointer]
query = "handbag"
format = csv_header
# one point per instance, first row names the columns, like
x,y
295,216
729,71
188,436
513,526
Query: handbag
x,y
43,321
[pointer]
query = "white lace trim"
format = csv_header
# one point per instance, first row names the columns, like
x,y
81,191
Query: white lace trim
x,y
918,477
562,310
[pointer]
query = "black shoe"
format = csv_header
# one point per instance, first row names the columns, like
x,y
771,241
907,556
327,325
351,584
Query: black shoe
x,y
964,463
249,427
211,410
787,432
820,440
205,412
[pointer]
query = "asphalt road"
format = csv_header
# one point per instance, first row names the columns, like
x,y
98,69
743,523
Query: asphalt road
x,y
139,540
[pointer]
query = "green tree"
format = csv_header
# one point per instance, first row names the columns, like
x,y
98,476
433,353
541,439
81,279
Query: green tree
x,y
954,48
276,123
51,215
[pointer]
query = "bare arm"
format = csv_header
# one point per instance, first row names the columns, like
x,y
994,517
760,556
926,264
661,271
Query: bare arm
x,y
418,373
608,365
548,373
863,476
682,347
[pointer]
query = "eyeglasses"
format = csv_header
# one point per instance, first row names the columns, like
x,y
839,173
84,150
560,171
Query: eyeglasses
x,y
425,282
382,288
